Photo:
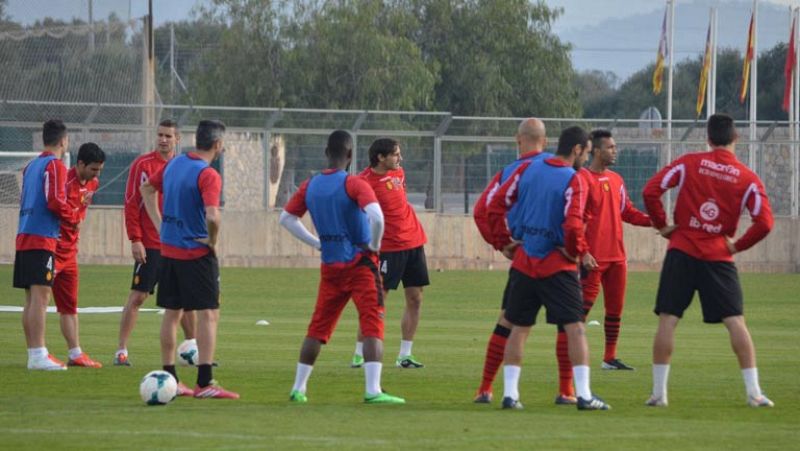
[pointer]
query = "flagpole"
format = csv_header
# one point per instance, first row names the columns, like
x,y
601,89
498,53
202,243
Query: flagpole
x,y
712,103
795,121
670,28
754,91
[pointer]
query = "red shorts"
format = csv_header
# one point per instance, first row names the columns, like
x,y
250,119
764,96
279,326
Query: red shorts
x,y
65,284
337,285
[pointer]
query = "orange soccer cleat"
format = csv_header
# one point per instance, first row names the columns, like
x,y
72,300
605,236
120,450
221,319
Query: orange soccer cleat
x,y
85,361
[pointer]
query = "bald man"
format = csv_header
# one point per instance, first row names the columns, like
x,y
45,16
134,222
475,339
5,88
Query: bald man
x,y
531,140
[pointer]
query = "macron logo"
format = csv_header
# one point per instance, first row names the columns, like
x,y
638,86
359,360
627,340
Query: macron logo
x,y
719,167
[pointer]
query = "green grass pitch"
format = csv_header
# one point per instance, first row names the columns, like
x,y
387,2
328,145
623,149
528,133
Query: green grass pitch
x,y
87,409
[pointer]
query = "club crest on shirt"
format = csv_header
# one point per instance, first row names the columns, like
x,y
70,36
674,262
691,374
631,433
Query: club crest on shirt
x,y
606,187
709,210
393,183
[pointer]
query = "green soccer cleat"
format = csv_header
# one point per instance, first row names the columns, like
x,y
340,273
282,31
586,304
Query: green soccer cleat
x,y
383,398
357,362
408,362
297,397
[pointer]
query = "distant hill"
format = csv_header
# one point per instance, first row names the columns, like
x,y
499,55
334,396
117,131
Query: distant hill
x,y
628,44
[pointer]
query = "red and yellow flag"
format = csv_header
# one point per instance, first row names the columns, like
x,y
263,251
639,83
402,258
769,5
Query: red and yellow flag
x,y
748,58
788,69
658,74
701,88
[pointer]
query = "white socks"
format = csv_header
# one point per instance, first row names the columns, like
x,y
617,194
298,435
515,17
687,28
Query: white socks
x,y
75,352
359,348
121,352
511,381
35,353
301,377
580,373
750,376
372,378
660,376
405,348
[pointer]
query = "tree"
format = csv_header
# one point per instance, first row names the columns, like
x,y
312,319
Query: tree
x,y
594,87
246,67
496,57
635,94
345,56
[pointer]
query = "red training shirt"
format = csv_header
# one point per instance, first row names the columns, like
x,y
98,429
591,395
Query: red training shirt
x,y
403,230
573,225
209,183
137,223
714,189
55,192
480,210
604,228
79,196
356,187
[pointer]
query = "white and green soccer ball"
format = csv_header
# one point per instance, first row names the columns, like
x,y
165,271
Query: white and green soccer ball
x,y
188,354
158,388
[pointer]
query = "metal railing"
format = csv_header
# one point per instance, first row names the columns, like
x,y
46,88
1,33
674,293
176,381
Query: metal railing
x,y
448,159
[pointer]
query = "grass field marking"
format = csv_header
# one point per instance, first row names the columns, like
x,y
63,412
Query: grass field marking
x,y
52,309
150,431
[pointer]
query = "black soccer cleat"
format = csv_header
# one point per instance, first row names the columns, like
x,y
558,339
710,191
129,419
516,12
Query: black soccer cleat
x,y
616,364
511,403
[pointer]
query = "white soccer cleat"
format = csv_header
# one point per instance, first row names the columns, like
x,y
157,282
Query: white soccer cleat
x,y
760,401
46,363
655,401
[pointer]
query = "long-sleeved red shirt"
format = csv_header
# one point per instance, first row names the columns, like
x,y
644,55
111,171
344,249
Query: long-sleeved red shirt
x,y
403,230
79,196
55,192
480,210
604,228
573,225
714,189
137,223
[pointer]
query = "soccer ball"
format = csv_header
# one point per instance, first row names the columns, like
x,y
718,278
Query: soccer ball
x,y
187,353
158,388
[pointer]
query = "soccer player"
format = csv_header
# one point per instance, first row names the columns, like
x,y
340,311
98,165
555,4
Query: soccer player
x,y
714,189
610,207
550,199
189,231
349,221
43,206
531,140
402,254
81,185
145,242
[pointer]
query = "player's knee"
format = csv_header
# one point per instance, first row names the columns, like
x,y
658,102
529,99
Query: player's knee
x,y
136,299
67,308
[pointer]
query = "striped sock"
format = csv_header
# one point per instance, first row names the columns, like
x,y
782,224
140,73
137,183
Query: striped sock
x,y
565,386
612,326
494,356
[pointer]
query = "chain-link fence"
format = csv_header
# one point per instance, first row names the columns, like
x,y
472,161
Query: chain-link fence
x,y
448,159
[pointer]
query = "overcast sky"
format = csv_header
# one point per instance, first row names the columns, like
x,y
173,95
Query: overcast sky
x,y
579,13
597,29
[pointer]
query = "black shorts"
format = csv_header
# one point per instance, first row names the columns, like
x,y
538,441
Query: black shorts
x,y
716,282
145,275
189,284
33,267
409,266
560,294
506,291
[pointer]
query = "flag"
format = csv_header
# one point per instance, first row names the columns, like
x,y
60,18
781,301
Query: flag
x,y
658,74
701,89
748,58
788,69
